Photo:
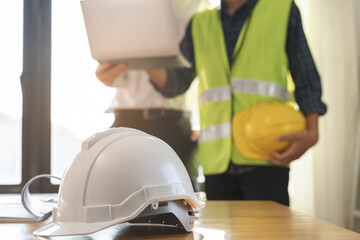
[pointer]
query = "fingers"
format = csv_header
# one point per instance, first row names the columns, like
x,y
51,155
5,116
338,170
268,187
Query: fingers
x,y
194,136
298,146
281,159
102,68
107,73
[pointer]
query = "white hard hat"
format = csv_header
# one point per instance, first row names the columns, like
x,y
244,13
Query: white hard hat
x,y
122,175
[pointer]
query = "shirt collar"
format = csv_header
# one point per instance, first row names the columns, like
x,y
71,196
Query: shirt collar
x,y
247,4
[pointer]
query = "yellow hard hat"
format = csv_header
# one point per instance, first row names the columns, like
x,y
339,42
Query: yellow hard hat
x,y
256,128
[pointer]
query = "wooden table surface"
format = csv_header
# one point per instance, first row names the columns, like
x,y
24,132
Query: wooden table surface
x,y
218,220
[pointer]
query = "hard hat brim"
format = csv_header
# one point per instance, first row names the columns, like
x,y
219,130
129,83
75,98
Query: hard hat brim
x,y
71,228
56,228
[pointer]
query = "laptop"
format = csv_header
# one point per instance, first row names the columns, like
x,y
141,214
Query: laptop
x,y
142,34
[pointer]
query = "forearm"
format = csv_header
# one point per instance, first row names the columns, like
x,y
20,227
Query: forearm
x,y
308,90
172,82
312,128
158,77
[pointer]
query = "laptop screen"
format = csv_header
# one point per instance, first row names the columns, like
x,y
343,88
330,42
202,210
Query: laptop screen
x,y
130,28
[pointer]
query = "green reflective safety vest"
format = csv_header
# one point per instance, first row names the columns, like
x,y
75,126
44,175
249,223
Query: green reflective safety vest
x,y
259,73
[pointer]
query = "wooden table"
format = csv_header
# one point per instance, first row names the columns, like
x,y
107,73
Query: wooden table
x,y
218,220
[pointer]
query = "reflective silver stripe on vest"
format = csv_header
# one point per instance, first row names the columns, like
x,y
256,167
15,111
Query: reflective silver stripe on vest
x,y
215,95
215,132
259,87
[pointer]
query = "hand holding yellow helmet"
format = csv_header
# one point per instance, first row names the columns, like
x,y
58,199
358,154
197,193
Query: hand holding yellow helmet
x,y
256,128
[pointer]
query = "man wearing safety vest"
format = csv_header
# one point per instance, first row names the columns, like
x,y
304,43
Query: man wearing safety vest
x,y
242,54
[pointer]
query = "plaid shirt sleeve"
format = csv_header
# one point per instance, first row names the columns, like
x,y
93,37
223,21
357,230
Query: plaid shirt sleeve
x,y
302,67
180,79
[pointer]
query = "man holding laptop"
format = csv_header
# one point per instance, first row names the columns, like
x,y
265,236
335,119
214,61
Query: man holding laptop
x,y
137,104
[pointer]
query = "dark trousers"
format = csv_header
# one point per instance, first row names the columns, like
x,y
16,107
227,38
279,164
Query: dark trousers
x,y
171,126
262,183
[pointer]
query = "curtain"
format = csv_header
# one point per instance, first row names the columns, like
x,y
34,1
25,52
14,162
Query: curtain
x,y
331,27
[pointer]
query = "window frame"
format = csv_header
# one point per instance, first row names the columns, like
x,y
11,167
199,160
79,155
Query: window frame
x,y
36,89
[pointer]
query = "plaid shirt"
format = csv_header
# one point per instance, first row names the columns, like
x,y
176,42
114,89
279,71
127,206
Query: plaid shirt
x,y
302,67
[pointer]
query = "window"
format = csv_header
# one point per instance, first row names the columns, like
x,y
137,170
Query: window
x,y
31,142
78,99
10,92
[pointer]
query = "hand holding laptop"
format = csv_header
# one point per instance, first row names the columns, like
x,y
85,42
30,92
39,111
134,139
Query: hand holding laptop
x,y
106,72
